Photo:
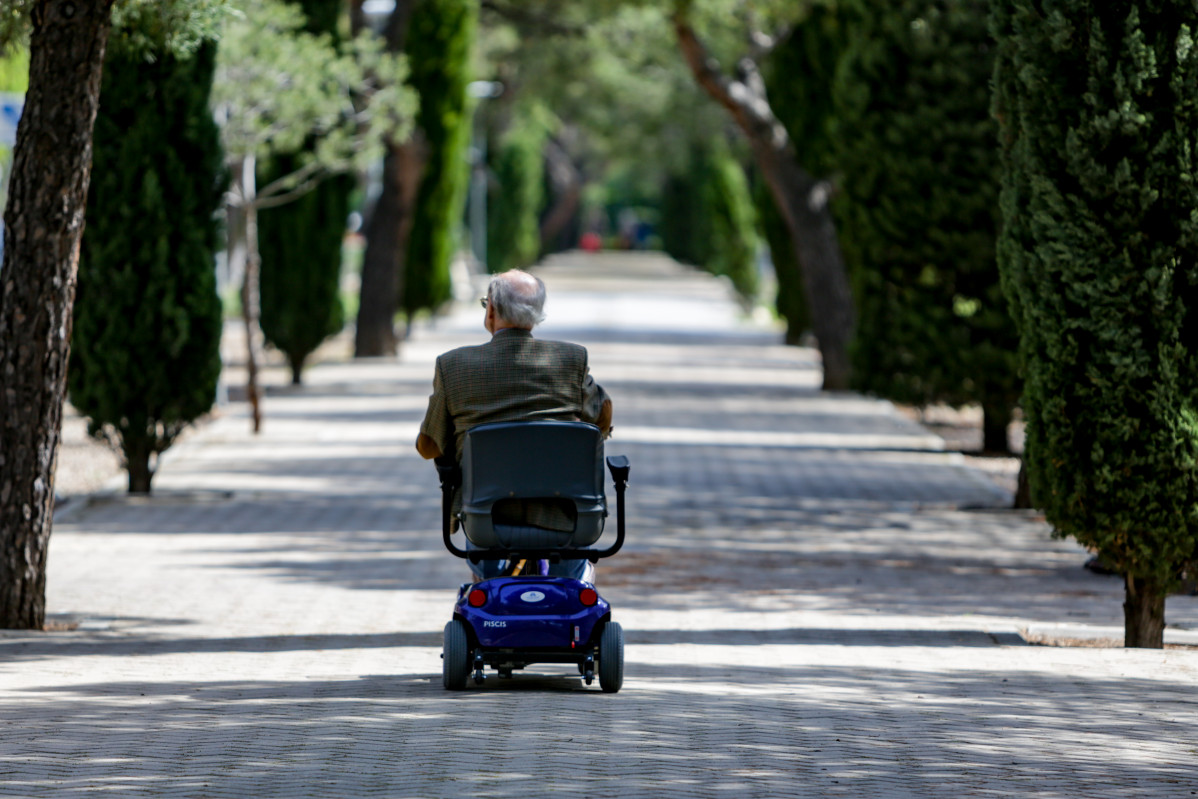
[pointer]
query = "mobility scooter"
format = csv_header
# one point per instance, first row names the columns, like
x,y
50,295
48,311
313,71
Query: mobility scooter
x,y
527,615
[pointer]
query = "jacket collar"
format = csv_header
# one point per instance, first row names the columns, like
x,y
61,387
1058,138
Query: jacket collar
x,y
512,332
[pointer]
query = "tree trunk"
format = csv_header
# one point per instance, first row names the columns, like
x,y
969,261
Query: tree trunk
x,y
387,235
250,313
567,190
137,464
245,191
47,197
995,422
389,227
357,17
801,200
1143,614
297,369
1023,488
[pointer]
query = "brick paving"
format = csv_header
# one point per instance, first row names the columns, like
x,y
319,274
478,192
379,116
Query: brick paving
x,y
817,600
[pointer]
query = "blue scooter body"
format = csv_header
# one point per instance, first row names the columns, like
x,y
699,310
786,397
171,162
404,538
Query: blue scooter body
x,y
531,612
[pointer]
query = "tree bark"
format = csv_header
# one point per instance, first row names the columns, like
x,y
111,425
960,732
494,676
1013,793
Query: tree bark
x,y
389,227
357,17
296,365
43,226
250,302
802,201
567,189
995,422
1143,614
387,235
1023,488
137,464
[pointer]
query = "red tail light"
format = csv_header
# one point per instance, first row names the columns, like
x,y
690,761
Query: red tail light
x,y
477,598
588,596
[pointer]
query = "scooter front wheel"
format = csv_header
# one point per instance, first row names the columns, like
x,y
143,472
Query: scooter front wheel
x,y
455,656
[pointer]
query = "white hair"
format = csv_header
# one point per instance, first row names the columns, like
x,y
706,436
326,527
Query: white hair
x,y
518,298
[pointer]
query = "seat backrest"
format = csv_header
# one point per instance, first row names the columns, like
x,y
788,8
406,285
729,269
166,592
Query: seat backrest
x,y
532,460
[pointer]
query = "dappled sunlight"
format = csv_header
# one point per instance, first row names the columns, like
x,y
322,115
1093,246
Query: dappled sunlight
x,y
739,720
764,438
809,604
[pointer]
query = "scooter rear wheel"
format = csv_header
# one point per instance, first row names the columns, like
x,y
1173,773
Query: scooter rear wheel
x,y
611,658
455,656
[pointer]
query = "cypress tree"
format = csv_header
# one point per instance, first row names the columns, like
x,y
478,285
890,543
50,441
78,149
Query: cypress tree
x,y
300,278
732,221
708,217
440,39
145,353
1099,128
682,216
299,244
919,209
515,195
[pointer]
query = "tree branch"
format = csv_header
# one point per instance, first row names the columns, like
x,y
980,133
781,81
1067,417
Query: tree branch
x,y
531,21
291,186
744,99
396,31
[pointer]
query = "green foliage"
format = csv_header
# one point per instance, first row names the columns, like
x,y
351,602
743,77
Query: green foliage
x,y
919,172
14,77
515,193
14,24
323,16
300,281
708,217
682,220
1098,105
440,38
300,245
624,107
145,350
732,224
280,90
149,28
14,71
142,28
799,72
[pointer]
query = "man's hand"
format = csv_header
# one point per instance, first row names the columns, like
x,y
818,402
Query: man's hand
x,y
604,420
428,448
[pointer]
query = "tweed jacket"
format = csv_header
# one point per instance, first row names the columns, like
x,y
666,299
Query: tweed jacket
x,y
513,377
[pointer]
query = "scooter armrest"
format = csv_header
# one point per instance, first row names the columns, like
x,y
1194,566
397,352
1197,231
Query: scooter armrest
x,y
619,467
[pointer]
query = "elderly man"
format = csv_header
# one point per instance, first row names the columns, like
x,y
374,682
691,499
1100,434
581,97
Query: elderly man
x,y
513,377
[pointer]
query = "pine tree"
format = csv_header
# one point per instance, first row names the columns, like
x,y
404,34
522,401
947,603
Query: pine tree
x,y
439,43
300,281
300,244
918,212
43,226
1098,107
145,351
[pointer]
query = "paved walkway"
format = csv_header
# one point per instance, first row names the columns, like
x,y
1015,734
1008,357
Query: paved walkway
x,y
817,602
